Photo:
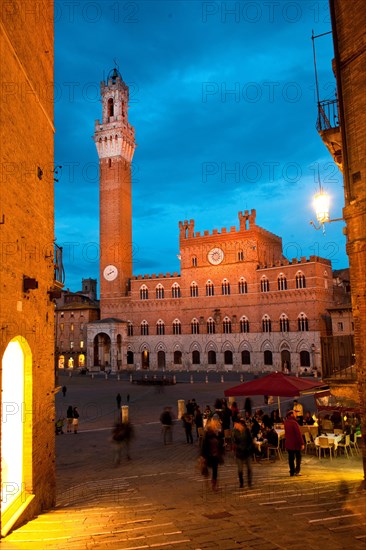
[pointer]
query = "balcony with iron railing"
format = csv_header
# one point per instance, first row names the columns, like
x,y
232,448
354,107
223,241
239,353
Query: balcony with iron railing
x,y
327,115
328,127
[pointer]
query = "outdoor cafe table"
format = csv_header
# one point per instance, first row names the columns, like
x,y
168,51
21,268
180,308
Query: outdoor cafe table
x,y
332,438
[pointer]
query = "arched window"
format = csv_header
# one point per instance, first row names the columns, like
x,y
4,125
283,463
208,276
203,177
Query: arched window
x,y
242,285
244,324
211,357
245,357
210,326
264,284
177,357
226,326
110,107
159,292
177,327
284,323
302,323
130,358
144,328
282,282
175,291
194,290
304,359
228,357
266,324
268,358
300,280
144,292
196,357
225,287
195,327
160,328
194,261
209,288
129,329
240,256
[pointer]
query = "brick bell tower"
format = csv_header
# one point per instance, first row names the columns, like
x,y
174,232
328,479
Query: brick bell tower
x,y
115,141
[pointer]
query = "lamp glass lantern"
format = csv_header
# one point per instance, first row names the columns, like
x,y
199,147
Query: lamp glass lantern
x,y
321,206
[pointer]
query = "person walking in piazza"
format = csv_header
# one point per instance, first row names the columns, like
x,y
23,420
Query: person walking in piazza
x,y
75,420
166,419
118,400
187,420
294,443
243,449
298,408
69,417
212,449
122,435
64,390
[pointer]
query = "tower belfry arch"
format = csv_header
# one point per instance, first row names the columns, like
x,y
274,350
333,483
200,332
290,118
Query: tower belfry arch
x,y
114,138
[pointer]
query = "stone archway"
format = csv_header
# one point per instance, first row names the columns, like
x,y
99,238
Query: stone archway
x,y
102,351
285,360
16,430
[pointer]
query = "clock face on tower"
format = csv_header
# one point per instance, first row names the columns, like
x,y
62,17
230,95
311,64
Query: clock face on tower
x,y
110,272
215,256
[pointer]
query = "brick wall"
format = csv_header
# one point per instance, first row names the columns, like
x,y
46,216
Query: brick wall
x,y
26,179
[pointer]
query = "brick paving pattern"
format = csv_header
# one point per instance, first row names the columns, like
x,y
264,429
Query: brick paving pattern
x,y
160,500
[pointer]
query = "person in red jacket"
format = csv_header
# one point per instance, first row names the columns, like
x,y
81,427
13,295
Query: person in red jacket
x,y
294,443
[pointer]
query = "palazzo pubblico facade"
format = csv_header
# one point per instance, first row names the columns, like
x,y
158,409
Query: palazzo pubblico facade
x,y
237,303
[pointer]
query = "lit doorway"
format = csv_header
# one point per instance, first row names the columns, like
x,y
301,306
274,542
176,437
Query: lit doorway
x,y
16,428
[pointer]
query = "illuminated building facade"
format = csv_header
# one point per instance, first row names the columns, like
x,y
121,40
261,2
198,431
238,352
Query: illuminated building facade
x,y
238,303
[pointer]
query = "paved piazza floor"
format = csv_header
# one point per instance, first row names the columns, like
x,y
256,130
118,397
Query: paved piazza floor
x,y
159,500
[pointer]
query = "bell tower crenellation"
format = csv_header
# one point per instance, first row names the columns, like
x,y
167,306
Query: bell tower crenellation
x,y
114,138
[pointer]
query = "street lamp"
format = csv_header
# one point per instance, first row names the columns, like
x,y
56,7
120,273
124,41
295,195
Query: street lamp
x,y
321,203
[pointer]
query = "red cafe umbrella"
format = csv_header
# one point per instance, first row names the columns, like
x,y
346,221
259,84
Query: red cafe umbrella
x,y
275,383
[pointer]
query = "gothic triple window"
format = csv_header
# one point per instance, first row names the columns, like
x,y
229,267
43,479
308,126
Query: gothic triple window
x,y
210,326
302,323
242,285
225,287
160,328
144,328
284,323
194,290
244,324
226,325
195,327
282,282
177,327
159,292
240,256
175,291
209,288
194,261
264,284
300,280
144,292
266,324
129,329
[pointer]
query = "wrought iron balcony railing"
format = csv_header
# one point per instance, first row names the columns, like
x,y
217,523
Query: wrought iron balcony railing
x,y
327,115
59,277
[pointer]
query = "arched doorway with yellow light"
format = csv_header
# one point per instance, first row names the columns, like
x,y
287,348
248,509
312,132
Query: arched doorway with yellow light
x,y
16,432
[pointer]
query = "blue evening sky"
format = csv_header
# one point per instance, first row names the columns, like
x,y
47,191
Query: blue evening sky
x,y
222,98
